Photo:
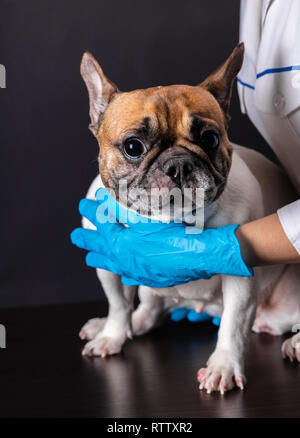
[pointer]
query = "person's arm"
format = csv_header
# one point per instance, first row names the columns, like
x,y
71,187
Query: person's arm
x,y
262,242
265,242
164,255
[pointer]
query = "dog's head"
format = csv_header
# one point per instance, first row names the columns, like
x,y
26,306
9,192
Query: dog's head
x,y
163,137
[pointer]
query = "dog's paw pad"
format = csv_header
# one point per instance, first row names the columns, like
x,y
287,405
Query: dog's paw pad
x,y
91,328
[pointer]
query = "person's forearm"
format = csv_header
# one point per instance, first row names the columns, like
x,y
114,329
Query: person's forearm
x,y
264,242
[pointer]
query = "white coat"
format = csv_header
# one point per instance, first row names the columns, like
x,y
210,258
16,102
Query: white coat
x,y
269,87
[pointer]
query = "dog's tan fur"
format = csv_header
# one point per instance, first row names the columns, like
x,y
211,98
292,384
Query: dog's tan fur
x,y
168,109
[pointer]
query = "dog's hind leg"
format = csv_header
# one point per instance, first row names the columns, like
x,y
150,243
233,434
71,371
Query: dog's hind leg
x,y
149,312
279,308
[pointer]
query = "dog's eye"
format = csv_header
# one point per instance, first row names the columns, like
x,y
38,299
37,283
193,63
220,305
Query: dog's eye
x,y
133,147
210,140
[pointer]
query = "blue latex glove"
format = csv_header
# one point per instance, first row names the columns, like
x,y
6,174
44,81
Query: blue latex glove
x,y
155,254
181,313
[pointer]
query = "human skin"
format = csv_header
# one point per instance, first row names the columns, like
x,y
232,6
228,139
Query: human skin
x,y
264,242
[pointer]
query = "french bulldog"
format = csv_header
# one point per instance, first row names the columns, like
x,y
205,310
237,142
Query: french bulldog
x,y
176,136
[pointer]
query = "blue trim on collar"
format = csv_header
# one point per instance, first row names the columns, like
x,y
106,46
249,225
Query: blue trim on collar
x,y
277,70
245,84
267,72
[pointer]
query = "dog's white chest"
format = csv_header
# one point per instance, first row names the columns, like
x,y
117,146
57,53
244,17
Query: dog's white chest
x,y
205,291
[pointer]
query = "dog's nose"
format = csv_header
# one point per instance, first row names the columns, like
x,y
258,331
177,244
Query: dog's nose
x,y
178,169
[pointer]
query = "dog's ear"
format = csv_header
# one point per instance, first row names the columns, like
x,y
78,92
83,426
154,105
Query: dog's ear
x,y
100,89
220,82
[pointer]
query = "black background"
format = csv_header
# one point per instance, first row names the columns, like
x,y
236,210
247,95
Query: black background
x,y
48,156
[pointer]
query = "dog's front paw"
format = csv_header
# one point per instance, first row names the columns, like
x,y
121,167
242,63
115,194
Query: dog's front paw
x,y
91,328
221,374
291,348
103,346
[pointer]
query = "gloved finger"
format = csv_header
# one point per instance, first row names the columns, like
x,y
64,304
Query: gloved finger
x,y
179,314
109,209
129,281
96,214
148,226
216,321
117,210
96,260
107,200
90,240
88,209
194,316
102,194
137,222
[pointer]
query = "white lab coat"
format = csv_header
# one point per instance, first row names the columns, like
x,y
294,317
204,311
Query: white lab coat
x,y
269,87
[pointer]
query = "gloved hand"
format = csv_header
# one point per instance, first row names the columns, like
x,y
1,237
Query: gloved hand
x,y
181,313
155,254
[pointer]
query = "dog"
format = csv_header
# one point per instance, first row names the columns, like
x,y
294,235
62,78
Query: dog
x,y
178,138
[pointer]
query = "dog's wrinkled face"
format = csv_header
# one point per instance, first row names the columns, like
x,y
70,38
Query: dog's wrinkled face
x,y
163,138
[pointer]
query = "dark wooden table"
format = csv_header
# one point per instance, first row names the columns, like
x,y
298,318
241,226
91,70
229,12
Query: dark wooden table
x,y
42,372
